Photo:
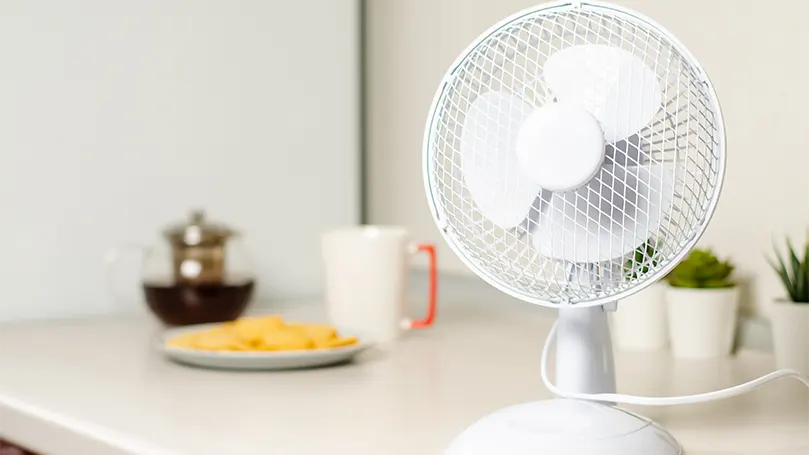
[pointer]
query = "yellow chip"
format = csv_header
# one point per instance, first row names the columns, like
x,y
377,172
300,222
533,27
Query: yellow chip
x,y
185,341
220,339
251,330
285,340
259,323
339,342
266,333
318,333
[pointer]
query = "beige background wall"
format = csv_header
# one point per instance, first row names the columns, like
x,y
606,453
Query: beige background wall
x,y
117,117
757,59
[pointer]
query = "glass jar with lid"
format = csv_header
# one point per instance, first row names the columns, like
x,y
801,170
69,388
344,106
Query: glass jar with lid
x,y
199,273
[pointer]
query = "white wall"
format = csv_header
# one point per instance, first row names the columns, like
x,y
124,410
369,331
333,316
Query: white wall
x,y
117,117
757,59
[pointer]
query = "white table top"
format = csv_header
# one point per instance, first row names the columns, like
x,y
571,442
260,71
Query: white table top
x,y
96,387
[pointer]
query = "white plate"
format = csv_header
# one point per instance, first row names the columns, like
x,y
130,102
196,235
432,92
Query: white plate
x,y
263,360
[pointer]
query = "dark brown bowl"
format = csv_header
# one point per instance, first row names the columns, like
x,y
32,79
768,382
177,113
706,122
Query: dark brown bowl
x,y
187,303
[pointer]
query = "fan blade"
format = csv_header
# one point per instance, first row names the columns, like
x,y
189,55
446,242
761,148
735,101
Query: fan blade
x,y
489,158
609,217
612,84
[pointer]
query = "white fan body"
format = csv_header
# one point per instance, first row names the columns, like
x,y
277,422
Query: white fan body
x,y
570,427
564,427
545,185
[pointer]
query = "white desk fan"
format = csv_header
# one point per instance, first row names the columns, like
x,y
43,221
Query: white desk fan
x,y
560,140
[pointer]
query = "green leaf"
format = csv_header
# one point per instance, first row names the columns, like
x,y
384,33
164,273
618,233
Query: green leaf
x,y
782,272
795,270
717,284
642,261
804,272
701,269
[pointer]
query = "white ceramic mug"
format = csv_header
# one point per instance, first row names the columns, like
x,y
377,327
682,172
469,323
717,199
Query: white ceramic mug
x,y
366,272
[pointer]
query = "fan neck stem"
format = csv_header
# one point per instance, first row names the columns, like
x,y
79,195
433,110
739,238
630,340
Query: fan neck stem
x,y
584,360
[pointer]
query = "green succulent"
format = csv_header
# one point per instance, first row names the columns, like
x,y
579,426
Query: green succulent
x,y
793,271
645,259
701,269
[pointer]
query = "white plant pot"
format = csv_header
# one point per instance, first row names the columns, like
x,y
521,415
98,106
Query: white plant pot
x,y
640,324
702,322
790,332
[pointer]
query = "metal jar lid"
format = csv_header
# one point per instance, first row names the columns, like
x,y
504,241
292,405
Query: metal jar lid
x,y
198,231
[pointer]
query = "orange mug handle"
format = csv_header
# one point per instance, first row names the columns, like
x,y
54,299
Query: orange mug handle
x,y
429,248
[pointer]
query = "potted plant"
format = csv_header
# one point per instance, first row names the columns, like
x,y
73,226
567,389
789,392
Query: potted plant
x,y
640,322
703,306
790,315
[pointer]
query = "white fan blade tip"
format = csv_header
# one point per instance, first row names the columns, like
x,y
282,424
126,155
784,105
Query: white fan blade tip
x,y
489,162
585,225
613,84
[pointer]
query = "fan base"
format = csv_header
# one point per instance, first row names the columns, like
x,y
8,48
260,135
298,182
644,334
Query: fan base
x,y
564,427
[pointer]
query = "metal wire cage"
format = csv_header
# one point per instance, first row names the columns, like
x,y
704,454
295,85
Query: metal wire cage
x,y
683,145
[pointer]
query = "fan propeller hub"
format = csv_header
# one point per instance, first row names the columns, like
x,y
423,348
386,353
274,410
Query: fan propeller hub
x,y
560,147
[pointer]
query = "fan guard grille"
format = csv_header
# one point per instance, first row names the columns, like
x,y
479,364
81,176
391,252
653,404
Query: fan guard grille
x,y
686,136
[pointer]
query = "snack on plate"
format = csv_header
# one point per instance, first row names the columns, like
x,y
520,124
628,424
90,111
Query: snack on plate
x,y
264,333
